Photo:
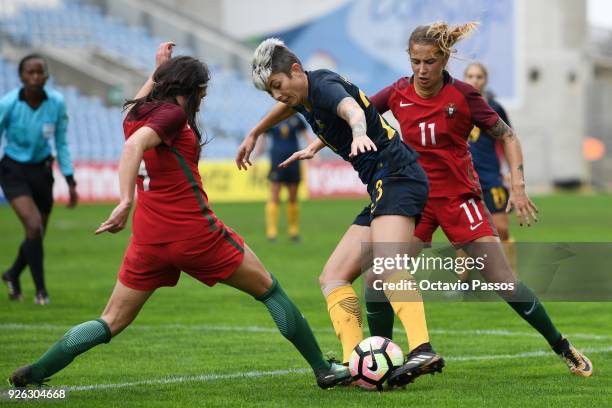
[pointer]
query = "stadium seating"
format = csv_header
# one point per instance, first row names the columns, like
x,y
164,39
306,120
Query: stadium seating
x,y
231,108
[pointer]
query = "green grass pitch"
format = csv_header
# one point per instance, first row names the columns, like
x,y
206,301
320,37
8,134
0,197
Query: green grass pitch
x,y
199,346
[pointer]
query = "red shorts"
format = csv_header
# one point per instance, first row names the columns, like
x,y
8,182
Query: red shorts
x,y
463,219
209,259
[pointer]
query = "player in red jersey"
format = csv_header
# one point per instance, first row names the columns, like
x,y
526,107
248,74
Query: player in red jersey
x,y
436,113
174,229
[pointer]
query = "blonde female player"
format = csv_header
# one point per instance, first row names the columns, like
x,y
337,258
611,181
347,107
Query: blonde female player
x,y
436,113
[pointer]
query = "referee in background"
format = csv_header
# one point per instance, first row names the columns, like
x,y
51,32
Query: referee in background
x,y
30,116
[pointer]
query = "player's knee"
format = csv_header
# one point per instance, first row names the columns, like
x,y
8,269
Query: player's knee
x,y
34,228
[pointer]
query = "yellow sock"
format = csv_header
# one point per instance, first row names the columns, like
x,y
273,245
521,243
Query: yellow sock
x,y
271,220
510,250
293,219
408,307
345,313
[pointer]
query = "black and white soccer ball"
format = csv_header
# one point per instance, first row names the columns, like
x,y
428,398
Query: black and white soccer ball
x,y
373,360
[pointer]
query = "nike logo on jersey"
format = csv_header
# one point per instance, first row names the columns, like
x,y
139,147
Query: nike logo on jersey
x,y
473,227
402,104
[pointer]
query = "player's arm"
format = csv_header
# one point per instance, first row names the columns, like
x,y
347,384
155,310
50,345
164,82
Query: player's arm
x,y
487,119
163,54
5,108
349,110
261,147
305,154
308,137
513,152
142,140
277,114
63,154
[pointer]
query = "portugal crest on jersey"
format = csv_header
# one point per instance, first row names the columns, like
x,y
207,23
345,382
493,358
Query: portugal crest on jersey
x,y
451,108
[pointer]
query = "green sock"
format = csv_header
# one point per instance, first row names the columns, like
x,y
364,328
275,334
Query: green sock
x,y
293,325
76,341
531,310
380,313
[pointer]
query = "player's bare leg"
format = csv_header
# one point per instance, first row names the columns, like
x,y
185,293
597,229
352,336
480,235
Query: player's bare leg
x,y
393,235
502,225
123,306
251,277
339,273
526,303
121,310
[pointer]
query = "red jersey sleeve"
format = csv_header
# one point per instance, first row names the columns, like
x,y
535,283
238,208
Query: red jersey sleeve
x,y
482,114
381,99
167,120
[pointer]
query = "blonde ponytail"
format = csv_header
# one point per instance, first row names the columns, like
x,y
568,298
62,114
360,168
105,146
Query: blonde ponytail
x,y
442,35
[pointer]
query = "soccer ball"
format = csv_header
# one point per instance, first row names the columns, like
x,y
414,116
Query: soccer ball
x,y
372,361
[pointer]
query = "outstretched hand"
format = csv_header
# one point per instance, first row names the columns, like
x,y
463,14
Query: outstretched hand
x,y
523,207
117,220
362,144
304,154
243,156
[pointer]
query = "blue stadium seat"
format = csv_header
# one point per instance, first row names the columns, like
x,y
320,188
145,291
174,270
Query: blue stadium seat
x,y
231,108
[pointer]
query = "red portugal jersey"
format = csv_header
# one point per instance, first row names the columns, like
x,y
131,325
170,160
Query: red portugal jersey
x,y
171,203
438,129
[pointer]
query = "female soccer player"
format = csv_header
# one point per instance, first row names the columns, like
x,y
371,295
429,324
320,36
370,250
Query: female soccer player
x,y
31,115
284,139
345,121
487,155
436,113
174,229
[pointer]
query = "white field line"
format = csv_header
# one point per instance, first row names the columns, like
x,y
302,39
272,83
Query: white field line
x,y
258,329
189,378
261,329
541,353
259,374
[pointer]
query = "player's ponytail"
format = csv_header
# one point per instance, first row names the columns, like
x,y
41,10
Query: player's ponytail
x,y
442,35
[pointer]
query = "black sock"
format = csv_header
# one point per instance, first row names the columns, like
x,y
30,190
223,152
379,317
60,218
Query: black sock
x,y
561,346
380,314
527,305
33,251
20,263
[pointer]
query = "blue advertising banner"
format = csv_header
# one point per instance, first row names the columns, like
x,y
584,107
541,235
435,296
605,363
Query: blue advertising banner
x,y
366,40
